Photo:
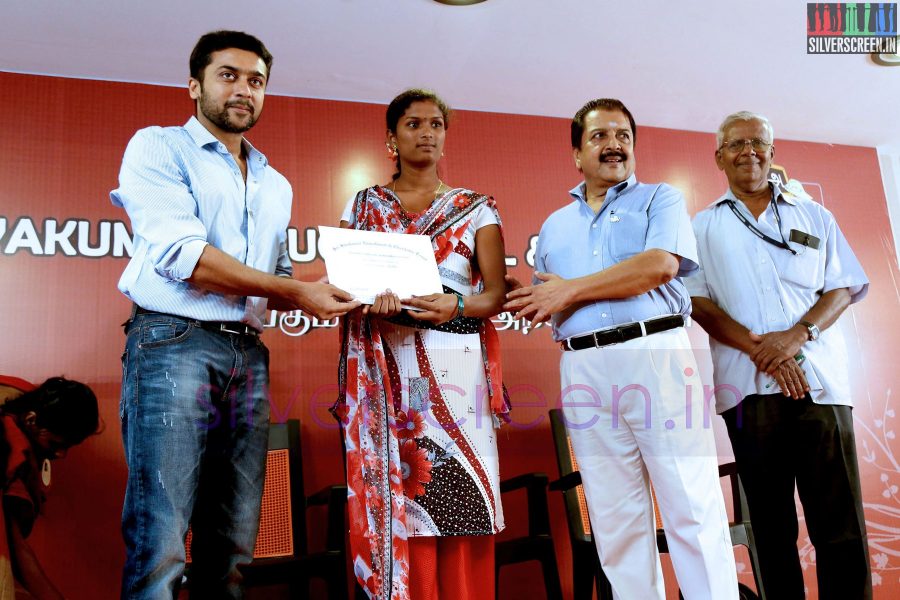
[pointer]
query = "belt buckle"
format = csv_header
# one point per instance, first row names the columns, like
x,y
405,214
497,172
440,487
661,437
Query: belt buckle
x,y
643,325
224,327
596,341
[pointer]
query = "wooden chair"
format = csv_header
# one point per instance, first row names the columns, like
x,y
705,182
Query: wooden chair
x,y
586,569
538,544
281,555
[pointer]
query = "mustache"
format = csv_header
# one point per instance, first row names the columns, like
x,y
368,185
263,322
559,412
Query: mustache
x,y
613,154
247,105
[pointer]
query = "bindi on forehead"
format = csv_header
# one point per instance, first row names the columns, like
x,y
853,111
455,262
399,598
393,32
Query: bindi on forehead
x,y
608,120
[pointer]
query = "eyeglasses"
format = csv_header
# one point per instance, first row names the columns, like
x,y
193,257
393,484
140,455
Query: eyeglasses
x,y
759,146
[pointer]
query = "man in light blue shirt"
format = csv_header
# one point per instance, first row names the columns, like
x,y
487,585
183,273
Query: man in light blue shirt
x,y
608,274
776,273
209,217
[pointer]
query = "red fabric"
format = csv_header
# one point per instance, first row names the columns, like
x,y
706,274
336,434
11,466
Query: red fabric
x,y
15,382
21,479
19,446
22,476
451,568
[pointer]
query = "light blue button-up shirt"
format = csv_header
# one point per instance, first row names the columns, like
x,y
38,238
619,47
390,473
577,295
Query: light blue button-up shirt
x,y
182,190
766,288
574,242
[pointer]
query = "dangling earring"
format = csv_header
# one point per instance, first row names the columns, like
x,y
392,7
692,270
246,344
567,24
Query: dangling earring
x,y
392,150
45,473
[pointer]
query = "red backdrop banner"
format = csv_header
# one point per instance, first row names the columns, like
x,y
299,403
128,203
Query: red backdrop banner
x,y
63,247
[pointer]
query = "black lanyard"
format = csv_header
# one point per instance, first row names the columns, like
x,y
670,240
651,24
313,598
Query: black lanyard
x,y
782,244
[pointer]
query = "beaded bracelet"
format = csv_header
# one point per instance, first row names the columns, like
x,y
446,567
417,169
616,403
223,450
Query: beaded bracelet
x,y
459,306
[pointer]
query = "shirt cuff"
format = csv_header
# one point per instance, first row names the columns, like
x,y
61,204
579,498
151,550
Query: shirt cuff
x,y
184,264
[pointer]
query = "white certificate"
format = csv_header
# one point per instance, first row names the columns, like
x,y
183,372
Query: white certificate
x,y
366,263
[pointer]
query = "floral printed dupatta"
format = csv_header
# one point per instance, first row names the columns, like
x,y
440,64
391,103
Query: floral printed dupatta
x,y
367,403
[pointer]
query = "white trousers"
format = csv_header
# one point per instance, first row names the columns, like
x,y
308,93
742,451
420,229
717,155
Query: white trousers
x,y
635,414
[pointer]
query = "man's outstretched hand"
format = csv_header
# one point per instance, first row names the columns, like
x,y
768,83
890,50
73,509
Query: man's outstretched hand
x,y
537,303
322,300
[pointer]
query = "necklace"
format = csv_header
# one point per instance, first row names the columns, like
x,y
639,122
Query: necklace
x,y
393,187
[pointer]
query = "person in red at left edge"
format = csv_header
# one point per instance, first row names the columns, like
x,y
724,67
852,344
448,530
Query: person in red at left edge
x,y
37,424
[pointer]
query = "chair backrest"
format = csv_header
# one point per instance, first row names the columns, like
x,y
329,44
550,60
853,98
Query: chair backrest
x,y
576,504
282,526
738,497
656,514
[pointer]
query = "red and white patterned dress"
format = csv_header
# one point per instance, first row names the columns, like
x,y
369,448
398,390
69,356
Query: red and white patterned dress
x,y
420,404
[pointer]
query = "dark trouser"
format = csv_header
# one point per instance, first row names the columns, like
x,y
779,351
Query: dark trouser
x,y
778,441
195,417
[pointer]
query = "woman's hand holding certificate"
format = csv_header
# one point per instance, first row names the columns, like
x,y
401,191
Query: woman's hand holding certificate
x,y
366,263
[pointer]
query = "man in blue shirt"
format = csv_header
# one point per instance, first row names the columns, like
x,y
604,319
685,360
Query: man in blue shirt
x,y
608,270
776,273
209,217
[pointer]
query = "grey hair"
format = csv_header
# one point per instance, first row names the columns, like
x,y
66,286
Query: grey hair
x,y
742,115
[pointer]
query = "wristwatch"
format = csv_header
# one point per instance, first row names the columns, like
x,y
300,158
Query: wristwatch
x,y
812,329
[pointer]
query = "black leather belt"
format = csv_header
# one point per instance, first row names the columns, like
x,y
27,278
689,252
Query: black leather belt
x,y
233,327
621,334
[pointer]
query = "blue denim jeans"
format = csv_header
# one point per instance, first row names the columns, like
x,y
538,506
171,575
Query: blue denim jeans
x,y
195,418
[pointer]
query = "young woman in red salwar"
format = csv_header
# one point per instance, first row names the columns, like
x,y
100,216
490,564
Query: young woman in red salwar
x,y
421,390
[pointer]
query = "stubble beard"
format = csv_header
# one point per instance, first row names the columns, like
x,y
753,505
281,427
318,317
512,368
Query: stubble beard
x,y
220,117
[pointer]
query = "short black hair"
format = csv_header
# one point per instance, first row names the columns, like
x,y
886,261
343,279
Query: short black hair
x,y
223,39
598,104
63,407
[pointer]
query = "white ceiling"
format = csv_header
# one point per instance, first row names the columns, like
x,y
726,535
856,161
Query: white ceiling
x,y
682,64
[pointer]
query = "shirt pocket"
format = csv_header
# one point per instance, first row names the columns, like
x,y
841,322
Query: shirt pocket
x,y
627,232
803,269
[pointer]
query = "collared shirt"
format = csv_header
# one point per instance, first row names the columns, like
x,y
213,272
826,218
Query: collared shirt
x,y
182,190
575,241
766,288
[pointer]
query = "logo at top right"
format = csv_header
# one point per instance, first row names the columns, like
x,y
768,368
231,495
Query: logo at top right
x,y
851,28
